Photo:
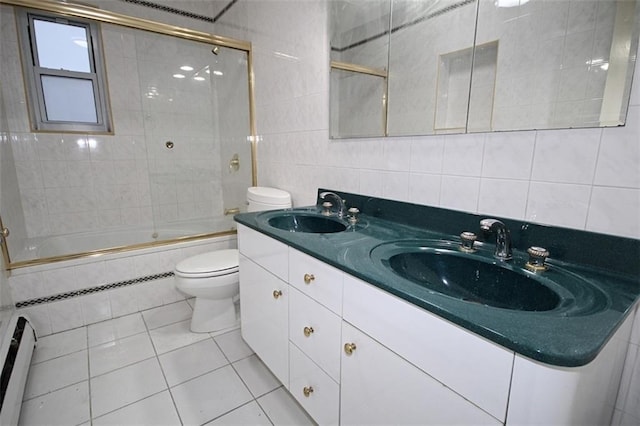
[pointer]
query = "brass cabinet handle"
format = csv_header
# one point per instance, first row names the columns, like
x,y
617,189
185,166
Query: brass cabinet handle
x,y
277,293
349,348
307,390
308,278
308,331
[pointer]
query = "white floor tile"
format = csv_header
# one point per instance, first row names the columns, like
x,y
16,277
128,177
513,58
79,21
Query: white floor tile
x,y
59,344
117,328
122,387
67,406
119,353
233,346
194,398
248,414
282,409
168,314
56,373
191,361
256,375
153,411
174,336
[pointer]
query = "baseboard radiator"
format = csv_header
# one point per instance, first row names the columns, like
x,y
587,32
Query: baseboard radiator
x,y
16,349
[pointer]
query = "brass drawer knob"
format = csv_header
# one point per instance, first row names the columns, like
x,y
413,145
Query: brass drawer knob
x,y
349,348
277,293
308,331
307,391
308,278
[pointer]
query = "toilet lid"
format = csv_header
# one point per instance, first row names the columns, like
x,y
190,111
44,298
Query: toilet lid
x,y
219,262
266,195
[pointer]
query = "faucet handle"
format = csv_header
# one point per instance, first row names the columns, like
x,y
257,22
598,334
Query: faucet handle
x,y
353,215
467,240
327,208
537,256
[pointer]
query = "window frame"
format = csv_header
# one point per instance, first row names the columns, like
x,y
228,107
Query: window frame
x,y
33,73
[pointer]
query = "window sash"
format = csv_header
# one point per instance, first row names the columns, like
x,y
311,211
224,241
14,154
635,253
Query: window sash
x,y
33,74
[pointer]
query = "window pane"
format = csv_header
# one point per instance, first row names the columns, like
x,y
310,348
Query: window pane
x,y
62,46
69,99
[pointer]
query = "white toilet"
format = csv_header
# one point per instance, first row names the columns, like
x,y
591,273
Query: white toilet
x,y
212,278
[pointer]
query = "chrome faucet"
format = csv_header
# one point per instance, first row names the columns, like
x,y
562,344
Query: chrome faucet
x,y
340,205
503,237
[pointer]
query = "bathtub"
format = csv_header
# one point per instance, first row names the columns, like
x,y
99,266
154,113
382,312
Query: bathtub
x,y
85,242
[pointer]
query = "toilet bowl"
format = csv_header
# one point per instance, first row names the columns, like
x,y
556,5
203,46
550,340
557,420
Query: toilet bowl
x,y
212,277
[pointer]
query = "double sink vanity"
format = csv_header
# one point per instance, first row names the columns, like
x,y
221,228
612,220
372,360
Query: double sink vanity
x,y
384,314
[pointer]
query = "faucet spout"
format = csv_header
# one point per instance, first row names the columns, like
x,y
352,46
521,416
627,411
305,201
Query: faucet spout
x,y
503,237
340,203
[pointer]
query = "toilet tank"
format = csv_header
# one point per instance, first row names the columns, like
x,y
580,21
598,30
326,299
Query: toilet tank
x,y
261,198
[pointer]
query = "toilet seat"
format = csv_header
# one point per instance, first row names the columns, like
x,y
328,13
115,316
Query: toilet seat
x,y
211,264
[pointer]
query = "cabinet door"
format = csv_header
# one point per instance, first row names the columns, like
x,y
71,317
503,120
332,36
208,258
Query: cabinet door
x,y
264,314
380,387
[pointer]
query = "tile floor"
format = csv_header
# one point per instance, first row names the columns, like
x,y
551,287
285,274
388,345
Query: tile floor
x,y
149,369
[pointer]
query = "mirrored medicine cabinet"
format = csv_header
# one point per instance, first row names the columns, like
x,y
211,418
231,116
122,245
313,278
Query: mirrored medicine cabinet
x,y
422,67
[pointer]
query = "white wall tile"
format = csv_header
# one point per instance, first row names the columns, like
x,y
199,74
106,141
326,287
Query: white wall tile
x,y
566,156
427,154
424,189
397,153
615,211
60,280
463,154
558,204
95,307
371,183
508,155
619,159
395,185
123,301
65,314
460,193
501,197
39,317
26,286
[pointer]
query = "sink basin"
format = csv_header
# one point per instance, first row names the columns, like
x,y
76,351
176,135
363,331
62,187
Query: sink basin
x,y
310,223
474,280
479,279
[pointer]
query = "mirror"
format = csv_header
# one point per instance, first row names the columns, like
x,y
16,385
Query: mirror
x,y
359,56
461,66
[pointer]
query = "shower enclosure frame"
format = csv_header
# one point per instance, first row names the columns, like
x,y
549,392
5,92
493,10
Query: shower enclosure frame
x,y
103,16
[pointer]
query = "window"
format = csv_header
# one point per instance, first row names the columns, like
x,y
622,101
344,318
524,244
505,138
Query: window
x,y
64,73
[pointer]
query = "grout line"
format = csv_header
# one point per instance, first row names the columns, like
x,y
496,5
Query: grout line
x,y
164,376
89,377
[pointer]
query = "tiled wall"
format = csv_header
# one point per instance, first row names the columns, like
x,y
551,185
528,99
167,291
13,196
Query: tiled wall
x,y
70,276
584,179
75,182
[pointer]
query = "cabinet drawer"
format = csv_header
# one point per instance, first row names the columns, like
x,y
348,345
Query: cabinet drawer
x,y
265,251
316,279
316,331
322,398
474,367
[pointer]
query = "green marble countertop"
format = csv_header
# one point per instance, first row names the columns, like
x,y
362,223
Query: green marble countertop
x,y
571,335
